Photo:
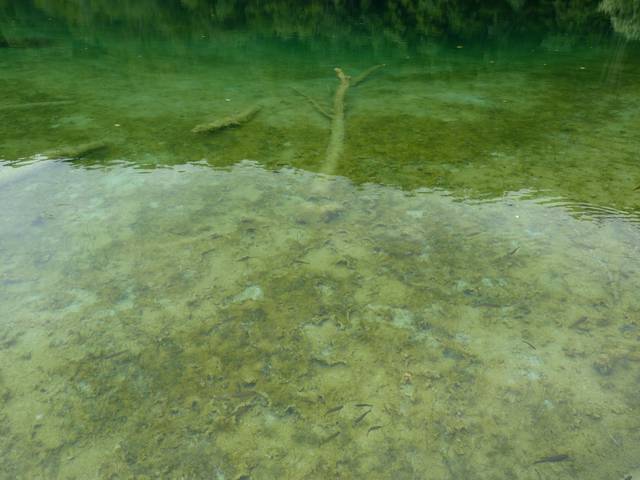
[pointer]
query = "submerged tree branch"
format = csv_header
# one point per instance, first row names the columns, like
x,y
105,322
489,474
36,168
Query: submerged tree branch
x,y
336,140
364,75
29,106
230,121
76,151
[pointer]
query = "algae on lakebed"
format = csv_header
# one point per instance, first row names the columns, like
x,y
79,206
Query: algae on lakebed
x,y
190,322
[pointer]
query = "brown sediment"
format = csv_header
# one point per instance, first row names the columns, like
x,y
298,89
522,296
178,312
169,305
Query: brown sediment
x,y
227,122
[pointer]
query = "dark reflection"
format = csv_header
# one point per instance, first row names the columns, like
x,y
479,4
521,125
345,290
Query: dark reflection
x,y
392,18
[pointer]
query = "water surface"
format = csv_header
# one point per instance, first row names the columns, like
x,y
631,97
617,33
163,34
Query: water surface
x,y
456,297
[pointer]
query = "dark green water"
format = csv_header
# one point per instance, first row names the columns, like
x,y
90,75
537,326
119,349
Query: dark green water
x,y
453,295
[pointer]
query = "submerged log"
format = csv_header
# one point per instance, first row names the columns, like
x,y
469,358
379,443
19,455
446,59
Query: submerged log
x,y
336,139
25,42
227,122
30,105
76,151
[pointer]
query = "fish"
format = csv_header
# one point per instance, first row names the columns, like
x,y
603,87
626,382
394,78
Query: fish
x,y
330,437
553,458
374,428
334,409
361,417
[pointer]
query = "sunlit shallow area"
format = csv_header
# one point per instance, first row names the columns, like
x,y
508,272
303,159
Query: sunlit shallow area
x,y
220,258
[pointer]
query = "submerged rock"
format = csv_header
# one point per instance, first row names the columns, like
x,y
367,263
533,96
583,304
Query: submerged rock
x,y
253,292
603,364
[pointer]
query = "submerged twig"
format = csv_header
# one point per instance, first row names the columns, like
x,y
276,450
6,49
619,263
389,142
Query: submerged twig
x,y
313,102
230,121
364,75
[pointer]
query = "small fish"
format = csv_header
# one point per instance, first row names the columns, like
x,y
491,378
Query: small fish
x,y
488,305
637,188
375,427
361,417
553,458
334,409
364,405
578,323
330,437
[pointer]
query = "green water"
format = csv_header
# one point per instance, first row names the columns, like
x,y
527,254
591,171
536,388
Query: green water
x,y
456,297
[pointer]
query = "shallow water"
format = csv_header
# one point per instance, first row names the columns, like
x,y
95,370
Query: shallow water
x,y
455,297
